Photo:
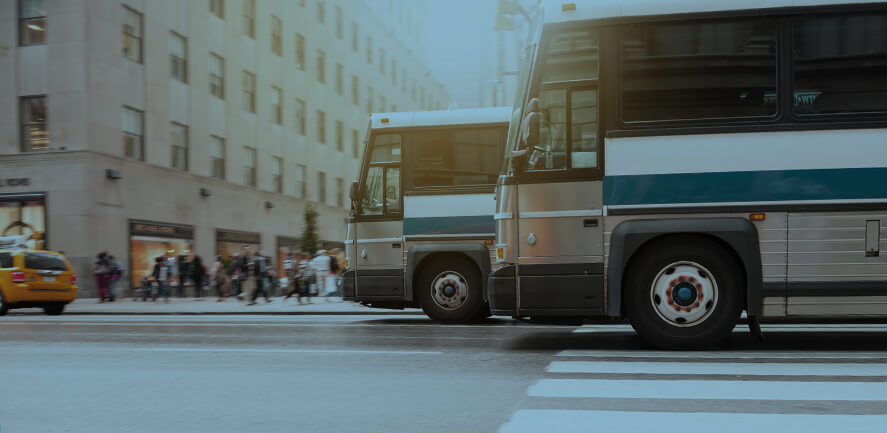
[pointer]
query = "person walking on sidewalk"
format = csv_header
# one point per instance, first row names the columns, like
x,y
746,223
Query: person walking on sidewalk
x,y
184,272
242,265
217,278
116,275
332,278
101,270
321,265
161,275
295,277
198,272
260,272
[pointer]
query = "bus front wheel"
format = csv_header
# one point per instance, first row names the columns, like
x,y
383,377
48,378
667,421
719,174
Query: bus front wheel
x,y
449,290
683,293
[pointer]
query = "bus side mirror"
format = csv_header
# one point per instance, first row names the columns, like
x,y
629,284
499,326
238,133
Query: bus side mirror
x,y
352,192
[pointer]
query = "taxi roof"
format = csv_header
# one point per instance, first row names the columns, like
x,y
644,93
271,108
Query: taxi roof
x,y
464,116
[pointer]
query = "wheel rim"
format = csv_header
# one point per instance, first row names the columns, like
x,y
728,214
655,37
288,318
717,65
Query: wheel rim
x,y
449,290
684,294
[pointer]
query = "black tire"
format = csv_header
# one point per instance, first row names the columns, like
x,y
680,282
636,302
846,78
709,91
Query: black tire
x,y
54,309
4,307
470,305
645,309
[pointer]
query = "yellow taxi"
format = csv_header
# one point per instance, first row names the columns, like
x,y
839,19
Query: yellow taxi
x,y
34,278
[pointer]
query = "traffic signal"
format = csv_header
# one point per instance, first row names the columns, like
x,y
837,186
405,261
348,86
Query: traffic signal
x,y
503,12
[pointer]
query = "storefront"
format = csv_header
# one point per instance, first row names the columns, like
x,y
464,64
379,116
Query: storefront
x,y
149,240
230,242
23,214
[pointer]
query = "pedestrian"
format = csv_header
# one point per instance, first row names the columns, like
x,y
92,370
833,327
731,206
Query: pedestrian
x,y
332,279
162,274
295,277
116,275
172,267
242,271
183,267
101,270
259,273
321,265
217,278
198,272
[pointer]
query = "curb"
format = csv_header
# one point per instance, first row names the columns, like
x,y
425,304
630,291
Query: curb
x,y
231,313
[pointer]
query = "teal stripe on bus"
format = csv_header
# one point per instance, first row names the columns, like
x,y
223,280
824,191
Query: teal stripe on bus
x,y
746,186
449,225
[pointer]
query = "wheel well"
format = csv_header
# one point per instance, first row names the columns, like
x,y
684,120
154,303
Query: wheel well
x,y
443,255
686,237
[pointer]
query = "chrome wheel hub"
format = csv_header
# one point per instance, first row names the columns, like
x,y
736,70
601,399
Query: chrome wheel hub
x,y
684,294
449,290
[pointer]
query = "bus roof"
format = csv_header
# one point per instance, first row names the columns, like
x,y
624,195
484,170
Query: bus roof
x,y
466,116
557,11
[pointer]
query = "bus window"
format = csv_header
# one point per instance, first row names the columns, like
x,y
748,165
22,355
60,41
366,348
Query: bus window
x,y
381,191
839,64
373,196
454,157
552,131
386,148
571,55
392,190
584,128
689,71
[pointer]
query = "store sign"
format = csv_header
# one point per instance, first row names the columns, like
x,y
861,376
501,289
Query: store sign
x,y
21,181
234,236
145,228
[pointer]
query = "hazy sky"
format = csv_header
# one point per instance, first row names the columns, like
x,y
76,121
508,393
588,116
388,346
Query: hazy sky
x,y
461,47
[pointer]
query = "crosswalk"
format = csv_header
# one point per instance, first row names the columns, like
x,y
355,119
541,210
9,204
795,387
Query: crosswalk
x,y
589,390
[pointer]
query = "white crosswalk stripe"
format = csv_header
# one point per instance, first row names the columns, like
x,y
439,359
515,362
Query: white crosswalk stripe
x,y
639,391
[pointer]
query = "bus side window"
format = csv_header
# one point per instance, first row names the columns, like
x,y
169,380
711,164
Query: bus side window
x,y
392,190
552,131
373,200
584,124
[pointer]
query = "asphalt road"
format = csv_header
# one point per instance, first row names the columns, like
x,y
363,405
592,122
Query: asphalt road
x,y
405,374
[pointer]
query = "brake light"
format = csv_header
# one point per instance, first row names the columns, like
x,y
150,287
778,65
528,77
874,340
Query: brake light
x,y
18,277
73,279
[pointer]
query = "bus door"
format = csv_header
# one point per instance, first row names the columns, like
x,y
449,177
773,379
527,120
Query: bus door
x,y
560,202
378,251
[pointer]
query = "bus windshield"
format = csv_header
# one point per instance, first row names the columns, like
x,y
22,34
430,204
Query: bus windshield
x,y
523,81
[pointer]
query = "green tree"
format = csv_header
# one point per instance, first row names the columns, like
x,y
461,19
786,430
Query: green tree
x,y
309,233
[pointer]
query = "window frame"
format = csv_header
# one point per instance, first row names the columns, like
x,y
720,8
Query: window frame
x,y
139,38
217,82
248,94
185,149
276,35
277,174
140,135
340,136
183,61
300,51
320,58
23,22
321,187
248,21
217,8
250,172
301,116
301,190
321,126
23,125
364,171
213,159
277,110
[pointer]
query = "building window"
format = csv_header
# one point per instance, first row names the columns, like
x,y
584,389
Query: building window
x,y
300,52
321,187
403,80
355,90
382,103
132,35
277,105
382,61
369,49
249,18
249,167
179,146
249,92
276,36
355,144
321,66
340,79
277,174
369,99
178,54
340,192
133,125
301,181
422,98
340,136
300,116
217,157
321,127
35,131
32,22
217,76
413,91
393,72
354,36
339,26
321,12
217,8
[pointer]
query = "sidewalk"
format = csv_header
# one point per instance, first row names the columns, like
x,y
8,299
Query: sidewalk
x,y
319,306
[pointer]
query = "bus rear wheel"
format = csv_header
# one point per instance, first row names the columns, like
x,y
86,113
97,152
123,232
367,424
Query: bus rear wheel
x,y
684,293
449,290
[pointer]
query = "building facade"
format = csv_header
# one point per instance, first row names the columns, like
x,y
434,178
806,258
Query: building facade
x,y
143,126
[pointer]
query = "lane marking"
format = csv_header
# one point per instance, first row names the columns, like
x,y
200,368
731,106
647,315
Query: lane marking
x,y
570,421
873,327
710,389
718,354
734,369
429,325
362,352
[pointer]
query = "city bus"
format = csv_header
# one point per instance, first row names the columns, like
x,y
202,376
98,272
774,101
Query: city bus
x,y
676,164
420,233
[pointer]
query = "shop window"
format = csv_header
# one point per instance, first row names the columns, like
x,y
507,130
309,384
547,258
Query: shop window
x,y
133,136
32,22
24,217
35,130
132,35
